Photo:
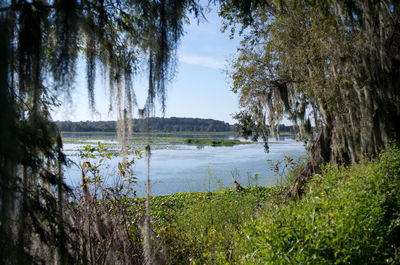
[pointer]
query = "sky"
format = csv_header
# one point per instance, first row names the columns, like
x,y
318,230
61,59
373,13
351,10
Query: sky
x,y
200,89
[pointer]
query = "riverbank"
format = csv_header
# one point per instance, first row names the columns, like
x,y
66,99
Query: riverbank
x,y
348,216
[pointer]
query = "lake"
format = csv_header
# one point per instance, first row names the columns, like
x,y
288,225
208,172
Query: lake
x,y
177,167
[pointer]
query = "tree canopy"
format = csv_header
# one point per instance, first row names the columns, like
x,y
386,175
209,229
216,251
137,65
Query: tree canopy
x,y
172,124
41,43
331,67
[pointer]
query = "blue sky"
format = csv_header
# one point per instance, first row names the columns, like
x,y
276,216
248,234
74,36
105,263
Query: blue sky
x,y
200,88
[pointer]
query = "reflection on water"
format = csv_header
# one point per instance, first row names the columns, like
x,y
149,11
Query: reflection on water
x,y
179,167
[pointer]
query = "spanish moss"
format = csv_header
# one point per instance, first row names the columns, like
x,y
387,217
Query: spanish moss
x,y
42,43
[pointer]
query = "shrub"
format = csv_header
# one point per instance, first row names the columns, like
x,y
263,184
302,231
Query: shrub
x,y
349,216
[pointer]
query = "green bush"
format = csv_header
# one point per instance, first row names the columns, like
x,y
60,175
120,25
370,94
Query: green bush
x,y
201,227
348,216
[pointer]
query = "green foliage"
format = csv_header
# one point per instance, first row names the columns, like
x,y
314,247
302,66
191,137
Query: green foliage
x,y
349,215
289,169
95,162
101,213
201,227
154,123
281,166
329,66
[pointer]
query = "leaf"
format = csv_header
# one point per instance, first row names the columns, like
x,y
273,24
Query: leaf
x,y
121,170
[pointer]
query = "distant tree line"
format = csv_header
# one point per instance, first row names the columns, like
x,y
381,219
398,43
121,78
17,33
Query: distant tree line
x,y
172,124
154,124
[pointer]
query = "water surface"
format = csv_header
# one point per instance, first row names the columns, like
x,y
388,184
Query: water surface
x,y
180,168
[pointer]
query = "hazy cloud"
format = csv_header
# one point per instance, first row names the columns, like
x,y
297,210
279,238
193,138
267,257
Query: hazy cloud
x,y
205,61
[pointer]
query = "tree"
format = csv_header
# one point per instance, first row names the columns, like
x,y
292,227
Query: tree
x,y
41,42
331,67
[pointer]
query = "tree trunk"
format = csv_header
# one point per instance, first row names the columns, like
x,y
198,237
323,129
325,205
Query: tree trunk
x,y
319,155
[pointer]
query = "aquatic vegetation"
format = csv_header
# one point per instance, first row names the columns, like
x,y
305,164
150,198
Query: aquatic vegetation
x,y
214,142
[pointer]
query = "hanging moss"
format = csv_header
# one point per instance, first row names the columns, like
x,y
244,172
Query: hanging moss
x,y
41,42
336,64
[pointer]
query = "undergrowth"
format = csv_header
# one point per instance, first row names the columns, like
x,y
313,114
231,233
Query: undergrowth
x,y
348,216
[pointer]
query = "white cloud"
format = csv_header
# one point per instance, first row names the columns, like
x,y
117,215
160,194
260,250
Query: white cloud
x,y
203,61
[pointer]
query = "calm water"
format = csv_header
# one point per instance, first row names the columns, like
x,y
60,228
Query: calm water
x,y
179,167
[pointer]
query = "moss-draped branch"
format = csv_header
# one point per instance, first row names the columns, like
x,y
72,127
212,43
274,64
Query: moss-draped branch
x,y
41,44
